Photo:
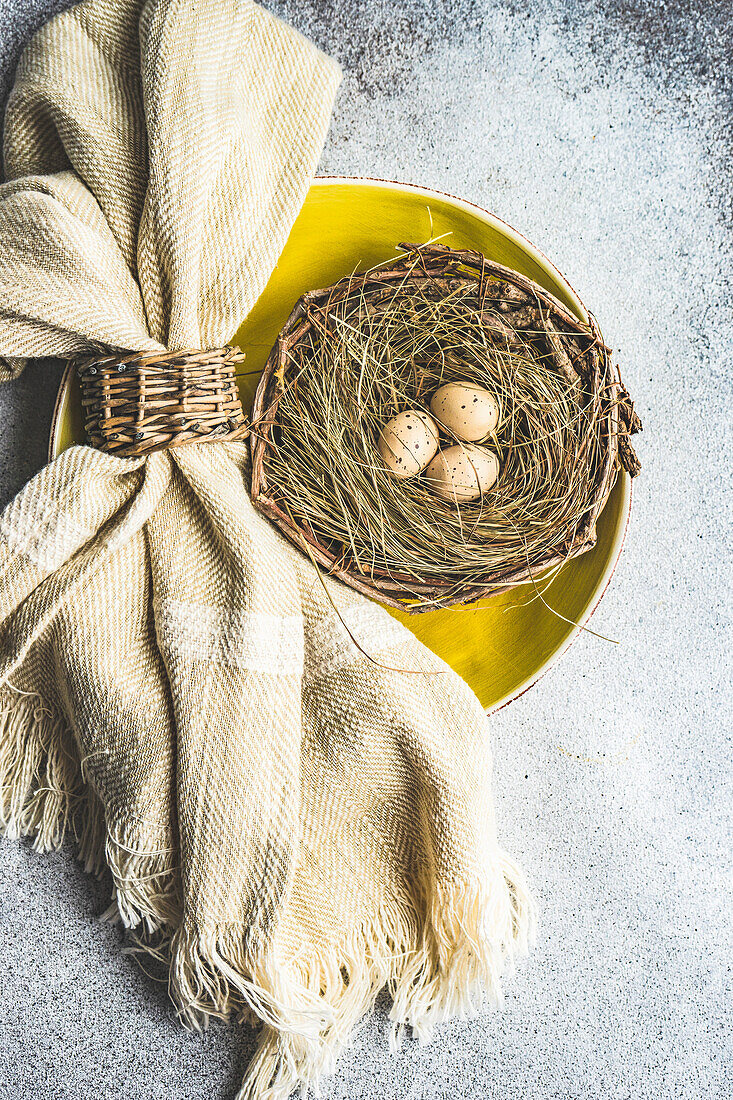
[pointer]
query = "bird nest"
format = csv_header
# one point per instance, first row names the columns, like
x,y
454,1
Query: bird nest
x,y
354,355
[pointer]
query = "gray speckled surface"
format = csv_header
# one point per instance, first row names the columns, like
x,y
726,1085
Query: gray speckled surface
x,y
603,131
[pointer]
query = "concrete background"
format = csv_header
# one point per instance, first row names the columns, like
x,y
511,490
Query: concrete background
x,y
602,130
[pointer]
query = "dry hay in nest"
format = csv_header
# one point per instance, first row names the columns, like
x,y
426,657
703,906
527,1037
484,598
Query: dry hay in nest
x,y
354,355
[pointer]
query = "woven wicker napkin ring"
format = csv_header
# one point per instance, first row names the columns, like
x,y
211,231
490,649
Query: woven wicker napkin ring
x,y
136,404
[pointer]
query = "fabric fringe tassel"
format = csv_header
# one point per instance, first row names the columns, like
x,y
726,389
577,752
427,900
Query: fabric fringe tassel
x,y
442,963
146,887
450,967
40,778
44,794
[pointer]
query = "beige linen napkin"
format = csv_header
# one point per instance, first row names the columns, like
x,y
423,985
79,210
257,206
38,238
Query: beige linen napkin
x,y
291,823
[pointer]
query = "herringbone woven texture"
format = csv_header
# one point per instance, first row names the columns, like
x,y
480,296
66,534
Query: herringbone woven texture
x,y
294,803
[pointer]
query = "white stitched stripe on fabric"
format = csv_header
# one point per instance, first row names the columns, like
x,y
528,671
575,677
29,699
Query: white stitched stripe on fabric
x,y
35,526
252,640
329,646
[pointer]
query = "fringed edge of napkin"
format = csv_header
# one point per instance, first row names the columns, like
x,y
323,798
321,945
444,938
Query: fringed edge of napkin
x,y
45,794
440,954
440,959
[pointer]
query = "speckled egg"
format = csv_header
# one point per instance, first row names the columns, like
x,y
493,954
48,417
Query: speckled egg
x,y
463,473
469,412
408,442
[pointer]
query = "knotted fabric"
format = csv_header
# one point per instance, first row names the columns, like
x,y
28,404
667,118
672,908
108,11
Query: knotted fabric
x,y
291,793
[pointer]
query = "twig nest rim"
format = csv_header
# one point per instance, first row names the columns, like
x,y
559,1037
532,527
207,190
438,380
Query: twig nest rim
x,y
408,442
467,411
574,427
463,472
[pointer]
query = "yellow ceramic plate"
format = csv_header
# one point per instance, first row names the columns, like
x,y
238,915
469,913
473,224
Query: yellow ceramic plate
x,y
502,645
